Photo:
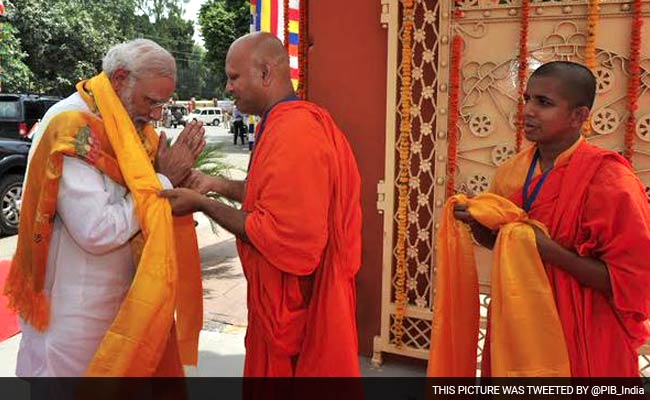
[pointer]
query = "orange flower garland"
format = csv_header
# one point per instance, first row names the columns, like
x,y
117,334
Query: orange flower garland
x,y
303,49
452,119
590,48
592,24
408,26
523,70
634,80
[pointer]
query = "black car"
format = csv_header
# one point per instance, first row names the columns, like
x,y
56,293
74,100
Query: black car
x,y
13,165
19,113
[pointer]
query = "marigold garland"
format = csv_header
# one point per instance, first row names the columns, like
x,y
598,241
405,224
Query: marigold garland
x,y
303,49
634,81
408,26
592,24
452,118
523,70
590,48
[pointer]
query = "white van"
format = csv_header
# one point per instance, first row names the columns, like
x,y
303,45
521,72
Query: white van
x,y
207,115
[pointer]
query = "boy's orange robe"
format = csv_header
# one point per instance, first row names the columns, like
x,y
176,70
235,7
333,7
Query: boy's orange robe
x,y
593,205
304,225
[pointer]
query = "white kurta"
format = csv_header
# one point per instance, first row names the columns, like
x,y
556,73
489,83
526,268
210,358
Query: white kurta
x,y
89,268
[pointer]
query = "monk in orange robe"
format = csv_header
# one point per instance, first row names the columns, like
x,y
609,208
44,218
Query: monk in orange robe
x,y
299,229
597,256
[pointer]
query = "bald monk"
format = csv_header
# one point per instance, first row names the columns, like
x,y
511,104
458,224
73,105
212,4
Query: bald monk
x,y
299,229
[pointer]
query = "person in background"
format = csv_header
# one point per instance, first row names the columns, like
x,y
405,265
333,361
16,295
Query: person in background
x,y
238,125
251,132
227,117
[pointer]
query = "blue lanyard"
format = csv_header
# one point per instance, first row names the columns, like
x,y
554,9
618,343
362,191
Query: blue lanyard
x,y
528,201
263,125
266,114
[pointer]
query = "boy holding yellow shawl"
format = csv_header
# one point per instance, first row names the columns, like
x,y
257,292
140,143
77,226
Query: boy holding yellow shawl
x,y
597,256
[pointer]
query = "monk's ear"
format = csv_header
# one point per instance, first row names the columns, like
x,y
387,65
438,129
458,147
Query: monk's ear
x,y
581,114
267,74
119,79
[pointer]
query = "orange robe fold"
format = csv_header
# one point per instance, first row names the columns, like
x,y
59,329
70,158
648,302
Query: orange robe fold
x,y
304,225
524,320
595,206
145,338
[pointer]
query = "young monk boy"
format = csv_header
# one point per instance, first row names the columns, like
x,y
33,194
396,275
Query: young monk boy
x,y
598,254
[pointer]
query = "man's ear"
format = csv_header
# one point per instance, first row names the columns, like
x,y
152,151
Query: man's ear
x,y
118,79
581,114
267,73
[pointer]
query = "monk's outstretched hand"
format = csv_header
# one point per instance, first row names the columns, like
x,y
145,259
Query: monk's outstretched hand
x,y
200,182
183,201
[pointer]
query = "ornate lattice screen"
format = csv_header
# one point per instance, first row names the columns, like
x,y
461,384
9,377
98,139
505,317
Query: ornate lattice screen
x,y
488,74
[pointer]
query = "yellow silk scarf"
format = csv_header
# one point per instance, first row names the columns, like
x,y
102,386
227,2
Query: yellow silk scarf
x,y
524,320
143,340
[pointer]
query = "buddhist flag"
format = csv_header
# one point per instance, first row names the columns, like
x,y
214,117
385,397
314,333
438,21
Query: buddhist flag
x,y
268,16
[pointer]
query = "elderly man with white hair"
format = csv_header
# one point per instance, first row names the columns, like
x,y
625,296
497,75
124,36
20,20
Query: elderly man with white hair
x,y
95,278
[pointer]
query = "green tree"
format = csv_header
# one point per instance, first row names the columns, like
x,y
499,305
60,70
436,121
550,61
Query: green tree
x,y
176,35
191,74
222,21
159,9
65,40
14,73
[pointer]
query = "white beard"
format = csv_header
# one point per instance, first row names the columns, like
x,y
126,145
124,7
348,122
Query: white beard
x,y
126,97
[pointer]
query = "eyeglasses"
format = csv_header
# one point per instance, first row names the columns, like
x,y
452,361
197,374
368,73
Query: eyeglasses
x,y
153,104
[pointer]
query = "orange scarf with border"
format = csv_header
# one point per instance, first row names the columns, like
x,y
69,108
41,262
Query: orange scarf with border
x,y
144,339
524,320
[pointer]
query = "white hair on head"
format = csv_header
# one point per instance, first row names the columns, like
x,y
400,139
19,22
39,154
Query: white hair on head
x,y
140,57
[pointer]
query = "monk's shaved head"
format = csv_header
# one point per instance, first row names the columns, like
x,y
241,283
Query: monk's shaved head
x,y
263,61
263,49
577,81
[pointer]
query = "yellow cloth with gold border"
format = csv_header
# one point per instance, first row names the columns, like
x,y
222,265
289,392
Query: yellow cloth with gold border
x,y
524,320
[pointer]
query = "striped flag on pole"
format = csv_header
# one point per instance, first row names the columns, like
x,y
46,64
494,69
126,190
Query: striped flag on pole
x,y
268,16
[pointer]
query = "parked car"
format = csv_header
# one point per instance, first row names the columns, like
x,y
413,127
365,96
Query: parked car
x,y
19,113
207,115
13,164
178,113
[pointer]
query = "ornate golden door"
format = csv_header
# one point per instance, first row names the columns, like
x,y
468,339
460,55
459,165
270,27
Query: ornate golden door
x,y
462,59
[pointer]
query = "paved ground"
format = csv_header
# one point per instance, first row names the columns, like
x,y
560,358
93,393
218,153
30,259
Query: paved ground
x,y
224,285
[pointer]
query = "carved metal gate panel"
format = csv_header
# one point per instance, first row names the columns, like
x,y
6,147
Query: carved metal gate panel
x,y
486,124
